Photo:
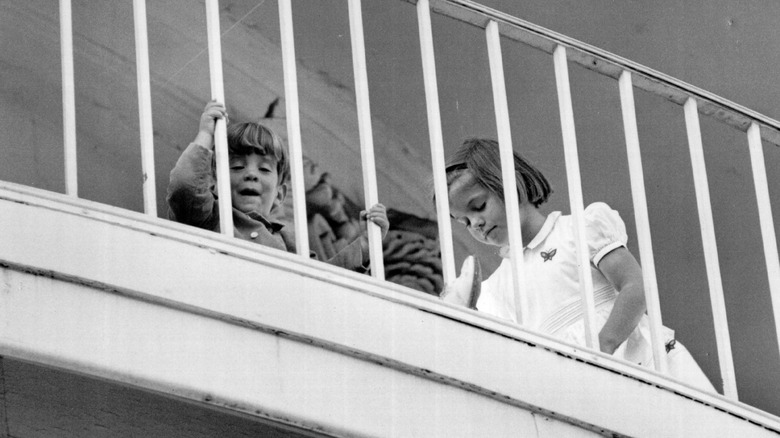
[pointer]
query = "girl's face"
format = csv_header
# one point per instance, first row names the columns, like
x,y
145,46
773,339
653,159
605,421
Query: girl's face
x,y
479,209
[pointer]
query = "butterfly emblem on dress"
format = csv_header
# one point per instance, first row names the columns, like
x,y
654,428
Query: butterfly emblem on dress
x,y
548,255
670,345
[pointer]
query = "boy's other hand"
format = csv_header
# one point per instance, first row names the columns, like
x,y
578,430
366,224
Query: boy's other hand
x,y
208,122
376,214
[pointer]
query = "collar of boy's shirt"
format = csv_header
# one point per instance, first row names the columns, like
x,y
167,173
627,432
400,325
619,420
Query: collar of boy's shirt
x,y
273,226
549,223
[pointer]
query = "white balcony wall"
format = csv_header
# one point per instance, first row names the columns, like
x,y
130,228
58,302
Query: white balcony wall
x,y
298,345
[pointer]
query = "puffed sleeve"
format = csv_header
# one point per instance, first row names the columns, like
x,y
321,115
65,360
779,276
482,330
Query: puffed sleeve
x,y
605,230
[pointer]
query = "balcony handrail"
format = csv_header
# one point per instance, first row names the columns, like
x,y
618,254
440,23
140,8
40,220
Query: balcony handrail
x,y
610,64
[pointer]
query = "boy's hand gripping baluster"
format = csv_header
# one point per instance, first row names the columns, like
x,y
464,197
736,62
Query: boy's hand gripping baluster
x,y
208,123
378,215
465,289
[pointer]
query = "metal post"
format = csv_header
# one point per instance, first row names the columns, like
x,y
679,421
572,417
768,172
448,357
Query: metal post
x,y
293,127
507,170
366,137
145,107
575,194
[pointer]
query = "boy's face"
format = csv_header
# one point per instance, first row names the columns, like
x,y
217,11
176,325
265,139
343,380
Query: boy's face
x,y
254,183
479,209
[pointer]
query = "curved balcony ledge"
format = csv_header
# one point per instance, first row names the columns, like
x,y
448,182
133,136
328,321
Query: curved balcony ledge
x,y
205,319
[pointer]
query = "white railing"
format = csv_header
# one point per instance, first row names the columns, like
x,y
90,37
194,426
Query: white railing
x,y
710,248
642,219
496,24
145,106
220,130
437,142
68,98
371,195
507,169
293,125
576,199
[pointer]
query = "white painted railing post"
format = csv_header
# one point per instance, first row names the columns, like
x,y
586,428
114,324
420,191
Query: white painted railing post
x,y
144,107
220,134
710,249
575,193
642,220
366,136
437,142
765,219
68,98
293,127
507,170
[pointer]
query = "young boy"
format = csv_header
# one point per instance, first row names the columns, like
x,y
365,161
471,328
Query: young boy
x,y
258,170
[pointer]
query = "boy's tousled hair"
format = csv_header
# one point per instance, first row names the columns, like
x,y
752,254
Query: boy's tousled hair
x,y
482,158
248,136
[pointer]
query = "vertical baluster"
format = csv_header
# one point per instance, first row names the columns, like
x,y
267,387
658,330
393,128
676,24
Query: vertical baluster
x,y
220,133
68,98
507,169
293,126
575,193
765,219
437,143
642,219
366,137
710,248
144,106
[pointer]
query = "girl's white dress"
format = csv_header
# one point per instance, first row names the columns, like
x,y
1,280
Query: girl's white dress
x,y
553,291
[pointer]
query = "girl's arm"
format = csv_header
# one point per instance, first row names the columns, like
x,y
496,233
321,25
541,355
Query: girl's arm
x,y
623,271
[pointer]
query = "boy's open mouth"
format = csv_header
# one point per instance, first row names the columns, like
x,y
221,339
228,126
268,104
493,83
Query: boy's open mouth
x,y
249,192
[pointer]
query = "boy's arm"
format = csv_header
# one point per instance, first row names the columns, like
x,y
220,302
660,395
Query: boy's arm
x,y
190,195
378,215
190,198
350,257
623,271
355,256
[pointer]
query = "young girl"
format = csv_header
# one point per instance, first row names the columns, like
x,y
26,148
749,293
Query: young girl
x,y
550,262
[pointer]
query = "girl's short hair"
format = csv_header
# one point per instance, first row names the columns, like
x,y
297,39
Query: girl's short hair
x,y
483,159
243,138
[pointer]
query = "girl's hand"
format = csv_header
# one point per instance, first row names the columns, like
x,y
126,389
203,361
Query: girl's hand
x,y
465,290
376,214
208,122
